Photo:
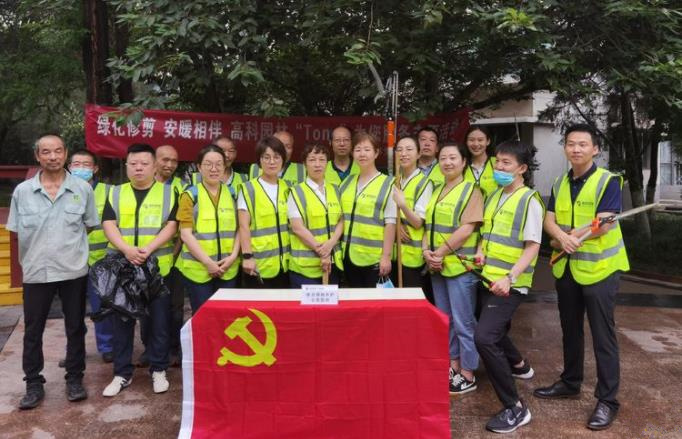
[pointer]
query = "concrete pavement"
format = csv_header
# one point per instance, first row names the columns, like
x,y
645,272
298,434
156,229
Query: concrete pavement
x,y
651,387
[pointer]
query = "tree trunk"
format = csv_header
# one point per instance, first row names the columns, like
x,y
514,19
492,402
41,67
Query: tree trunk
x,y
121,38
96,52
633,164
656,131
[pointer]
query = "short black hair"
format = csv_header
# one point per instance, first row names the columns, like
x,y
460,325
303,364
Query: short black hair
x,y
273,143
318,148
210,148
83,151
463,150
429,129
140,147
583,128
524,153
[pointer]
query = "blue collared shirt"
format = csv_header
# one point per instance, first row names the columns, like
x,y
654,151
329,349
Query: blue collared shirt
x,y
52,235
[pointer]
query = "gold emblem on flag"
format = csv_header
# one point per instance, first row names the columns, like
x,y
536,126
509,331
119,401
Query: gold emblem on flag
x,y
262,352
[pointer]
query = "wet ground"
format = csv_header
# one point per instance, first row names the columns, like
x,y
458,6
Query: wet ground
x,y
649,320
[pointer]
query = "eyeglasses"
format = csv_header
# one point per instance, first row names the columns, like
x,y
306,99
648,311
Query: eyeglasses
x,y
216,166
271,158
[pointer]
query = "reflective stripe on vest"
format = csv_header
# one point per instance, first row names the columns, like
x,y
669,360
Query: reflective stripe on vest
x,y
237,180
411,252
443,217
215,229
502,234
332,177
140,229
97,240
364,219
596,258
486,181
320,219
269,231
436,175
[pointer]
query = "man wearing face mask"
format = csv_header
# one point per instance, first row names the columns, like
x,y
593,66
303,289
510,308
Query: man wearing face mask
x,y
83,165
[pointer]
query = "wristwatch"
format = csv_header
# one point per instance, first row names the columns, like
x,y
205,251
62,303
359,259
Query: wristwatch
x,y
247,255
511,277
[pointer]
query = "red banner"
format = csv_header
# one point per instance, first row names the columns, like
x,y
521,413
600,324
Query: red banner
x,y
189,132
258,364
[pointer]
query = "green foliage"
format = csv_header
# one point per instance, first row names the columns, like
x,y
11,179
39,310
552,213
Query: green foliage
x,y
40,70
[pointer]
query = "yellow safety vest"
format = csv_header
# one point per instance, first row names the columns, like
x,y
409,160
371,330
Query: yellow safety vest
x,y
596,258
331,176
215,230
411,252
139,230
294,173
97,241
234,185
436,175
502,234
443,218
269,230
486,181
363,216
320,219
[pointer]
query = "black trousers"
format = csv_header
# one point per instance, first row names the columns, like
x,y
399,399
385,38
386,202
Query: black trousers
x,y
177,318
279,281
495,347
37,300
413,278
360,277
599,301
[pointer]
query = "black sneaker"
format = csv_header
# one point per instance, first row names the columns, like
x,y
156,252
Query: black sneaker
x,y
509,420
34,395
459,385
524,372
75,391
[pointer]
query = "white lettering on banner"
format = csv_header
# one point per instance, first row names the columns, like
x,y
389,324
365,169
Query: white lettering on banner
x,y
358,127
133,130
281,126
266,129
236,132
251,132
170,128
148,126
200,127
215,129
116,129
185,129
403,131
444,131
102,125
376,130
454,125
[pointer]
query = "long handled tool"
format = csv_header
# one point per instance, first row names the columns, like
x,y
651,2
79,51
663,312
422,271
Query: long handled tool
x,y
593,227
472,269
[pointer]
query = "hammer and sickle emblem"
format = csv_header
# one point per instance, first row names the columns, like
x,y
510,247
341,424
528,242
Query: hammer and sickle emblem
x,y
262,352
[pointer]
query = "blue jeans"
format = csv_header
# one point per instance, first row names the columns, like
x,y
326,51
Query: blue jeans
x,y
157,339
104,329
200,293
456,297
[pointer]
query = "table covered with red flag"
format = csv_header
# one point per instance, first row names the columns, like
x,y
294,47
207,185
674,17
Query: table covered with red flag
x,y
259,364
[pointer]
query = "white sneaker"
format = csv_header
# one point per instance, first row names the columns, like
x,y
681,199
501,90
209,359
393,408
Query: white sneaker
x,y
116,385
160,381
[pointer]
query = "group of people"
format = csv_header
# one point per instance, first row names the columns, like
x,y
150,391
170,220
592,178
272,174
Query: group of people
x,y
458,220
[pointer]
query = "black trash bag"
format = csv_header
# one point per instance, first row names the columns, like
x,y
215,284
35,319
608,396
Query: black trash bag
x,y
126,288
